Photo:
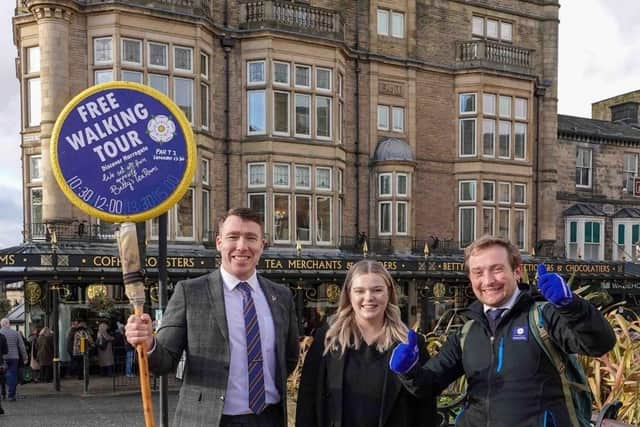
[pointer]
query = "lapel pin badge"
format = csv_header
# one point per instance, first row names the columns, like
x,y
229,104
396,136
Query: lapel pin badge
x,y
273,298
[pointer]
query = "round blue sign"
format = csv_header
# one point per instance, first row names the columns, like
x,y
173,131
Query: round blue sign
x,y
123,152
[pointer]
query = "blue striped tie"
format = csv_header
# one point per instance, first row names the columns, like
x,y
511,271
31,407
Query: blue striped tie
x,y
254,351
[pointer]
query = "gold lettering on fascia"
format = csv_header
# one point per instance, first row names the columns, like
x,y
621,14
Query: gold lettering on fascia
x,y
588,268
452,266
106,261
389,88
7,259
315,264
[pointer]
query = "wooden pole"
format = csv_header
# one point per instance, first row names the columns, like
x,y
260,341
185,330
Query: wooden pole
x,y
145,383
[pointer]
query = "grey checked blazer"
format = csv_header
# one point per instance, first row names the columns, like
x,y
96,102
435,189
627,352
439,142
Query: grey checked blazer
x,y
195,321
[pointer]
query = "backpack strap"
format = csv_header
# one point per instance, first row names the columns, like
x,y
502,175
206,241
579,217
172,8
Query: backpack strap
x,y
464,332
556,356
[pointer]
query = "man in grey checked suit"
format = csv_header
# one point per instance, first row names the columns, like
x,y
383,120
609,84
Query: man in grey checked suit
x,y
204,317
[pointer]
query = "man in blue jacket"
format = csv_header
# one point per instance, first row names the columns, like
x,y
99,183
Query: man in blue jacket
x,y
511,381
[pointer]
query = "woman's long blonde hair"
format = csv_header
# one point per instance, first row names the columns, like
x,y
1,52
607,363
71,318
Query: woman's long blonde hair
x,y
343,331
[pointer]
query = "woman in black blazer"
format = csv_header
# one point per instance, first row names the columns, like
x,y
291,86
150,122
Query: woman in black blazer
x,y
346,380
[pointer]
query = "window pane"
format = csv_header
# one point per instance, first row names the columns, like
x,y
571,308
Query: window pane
x,y
323,178
492,28
520,143
158,55
256,72
503,223
132,51
36,212
573,232
504,192
281,175
33,59
281,112
477,26
103,76
323,116
519,228
504,145
257,114
519,193
257,204
204,64
621,234
303,218
206,215
35,167
323,225
488,221
467,137
132,76
521,109
467,191
183,58
489,104
303,177
467,225
397,24
281,72
102,51
398,119
303,119
467,103
204,171
488,137
505,106
384,188
33,87
204,105
488,192
383,22
303,76
401,185
323,78
159,82
183,94
506,31
383,117
401,225
635,233
281,217
257,175
184,216
384,219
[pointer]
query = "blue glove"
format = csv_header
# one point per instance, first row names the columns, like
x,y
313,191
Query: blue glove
x,y
404,356
553,287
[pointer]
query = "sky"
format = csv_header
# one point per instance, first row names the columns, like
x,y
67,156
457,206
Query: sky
x,y
599,57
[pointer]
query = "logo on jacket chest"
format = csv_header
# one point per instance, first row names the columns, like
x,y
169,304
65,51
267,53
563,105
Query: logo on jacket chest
x,y
520,333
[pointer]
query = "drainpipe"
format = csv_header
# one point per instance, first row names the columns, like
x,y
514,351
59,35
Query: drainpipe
x,y
356,47
227,44
539,92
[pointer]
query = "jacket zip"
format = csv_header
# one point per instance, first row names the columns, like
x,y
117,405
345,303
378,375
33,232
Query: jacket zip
x,y
489,381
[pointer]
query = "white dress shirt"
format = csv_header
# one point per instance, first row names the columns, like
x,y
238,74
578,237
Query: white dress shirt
x,y
507,305
236,400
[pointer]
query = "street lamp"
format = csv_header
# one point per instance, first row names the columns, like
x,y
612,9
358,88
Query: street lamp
x,y
55,287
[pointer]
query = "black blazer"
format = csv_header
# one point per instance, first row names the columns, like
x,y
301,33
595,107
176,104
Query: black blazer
x,y
320,393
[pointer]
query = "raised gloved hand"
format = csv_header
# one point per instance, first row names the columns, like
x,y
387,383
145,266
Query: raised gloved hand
x,y
553,287
404,356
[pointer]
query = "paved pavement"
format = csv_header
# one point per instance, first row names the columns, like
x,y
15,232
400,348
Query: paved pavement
x,y
39,405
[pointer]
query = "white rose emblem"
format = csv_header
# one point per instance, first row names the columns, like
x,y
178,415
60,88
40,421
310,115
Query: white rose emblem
x,y
161,129
520,331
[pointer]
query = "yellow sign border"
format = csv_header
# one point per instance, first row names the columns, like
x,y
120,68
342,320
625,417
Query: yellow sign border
x,y
161,208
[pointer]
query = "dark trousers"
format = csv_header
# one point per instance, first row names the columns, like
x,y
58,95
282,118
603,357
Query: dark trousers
x,y
271,417
11,376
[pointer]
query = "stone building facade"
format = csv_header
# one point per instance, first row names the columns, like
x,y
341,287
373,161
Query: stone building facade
x,y
413,126
401,120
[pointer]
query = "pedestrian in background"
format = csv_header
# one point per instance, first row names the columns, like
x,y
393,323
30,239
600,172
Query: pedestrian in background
x,y
3,366
71,333
33,353
77,360
104,341
346,378
44,351
16,353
